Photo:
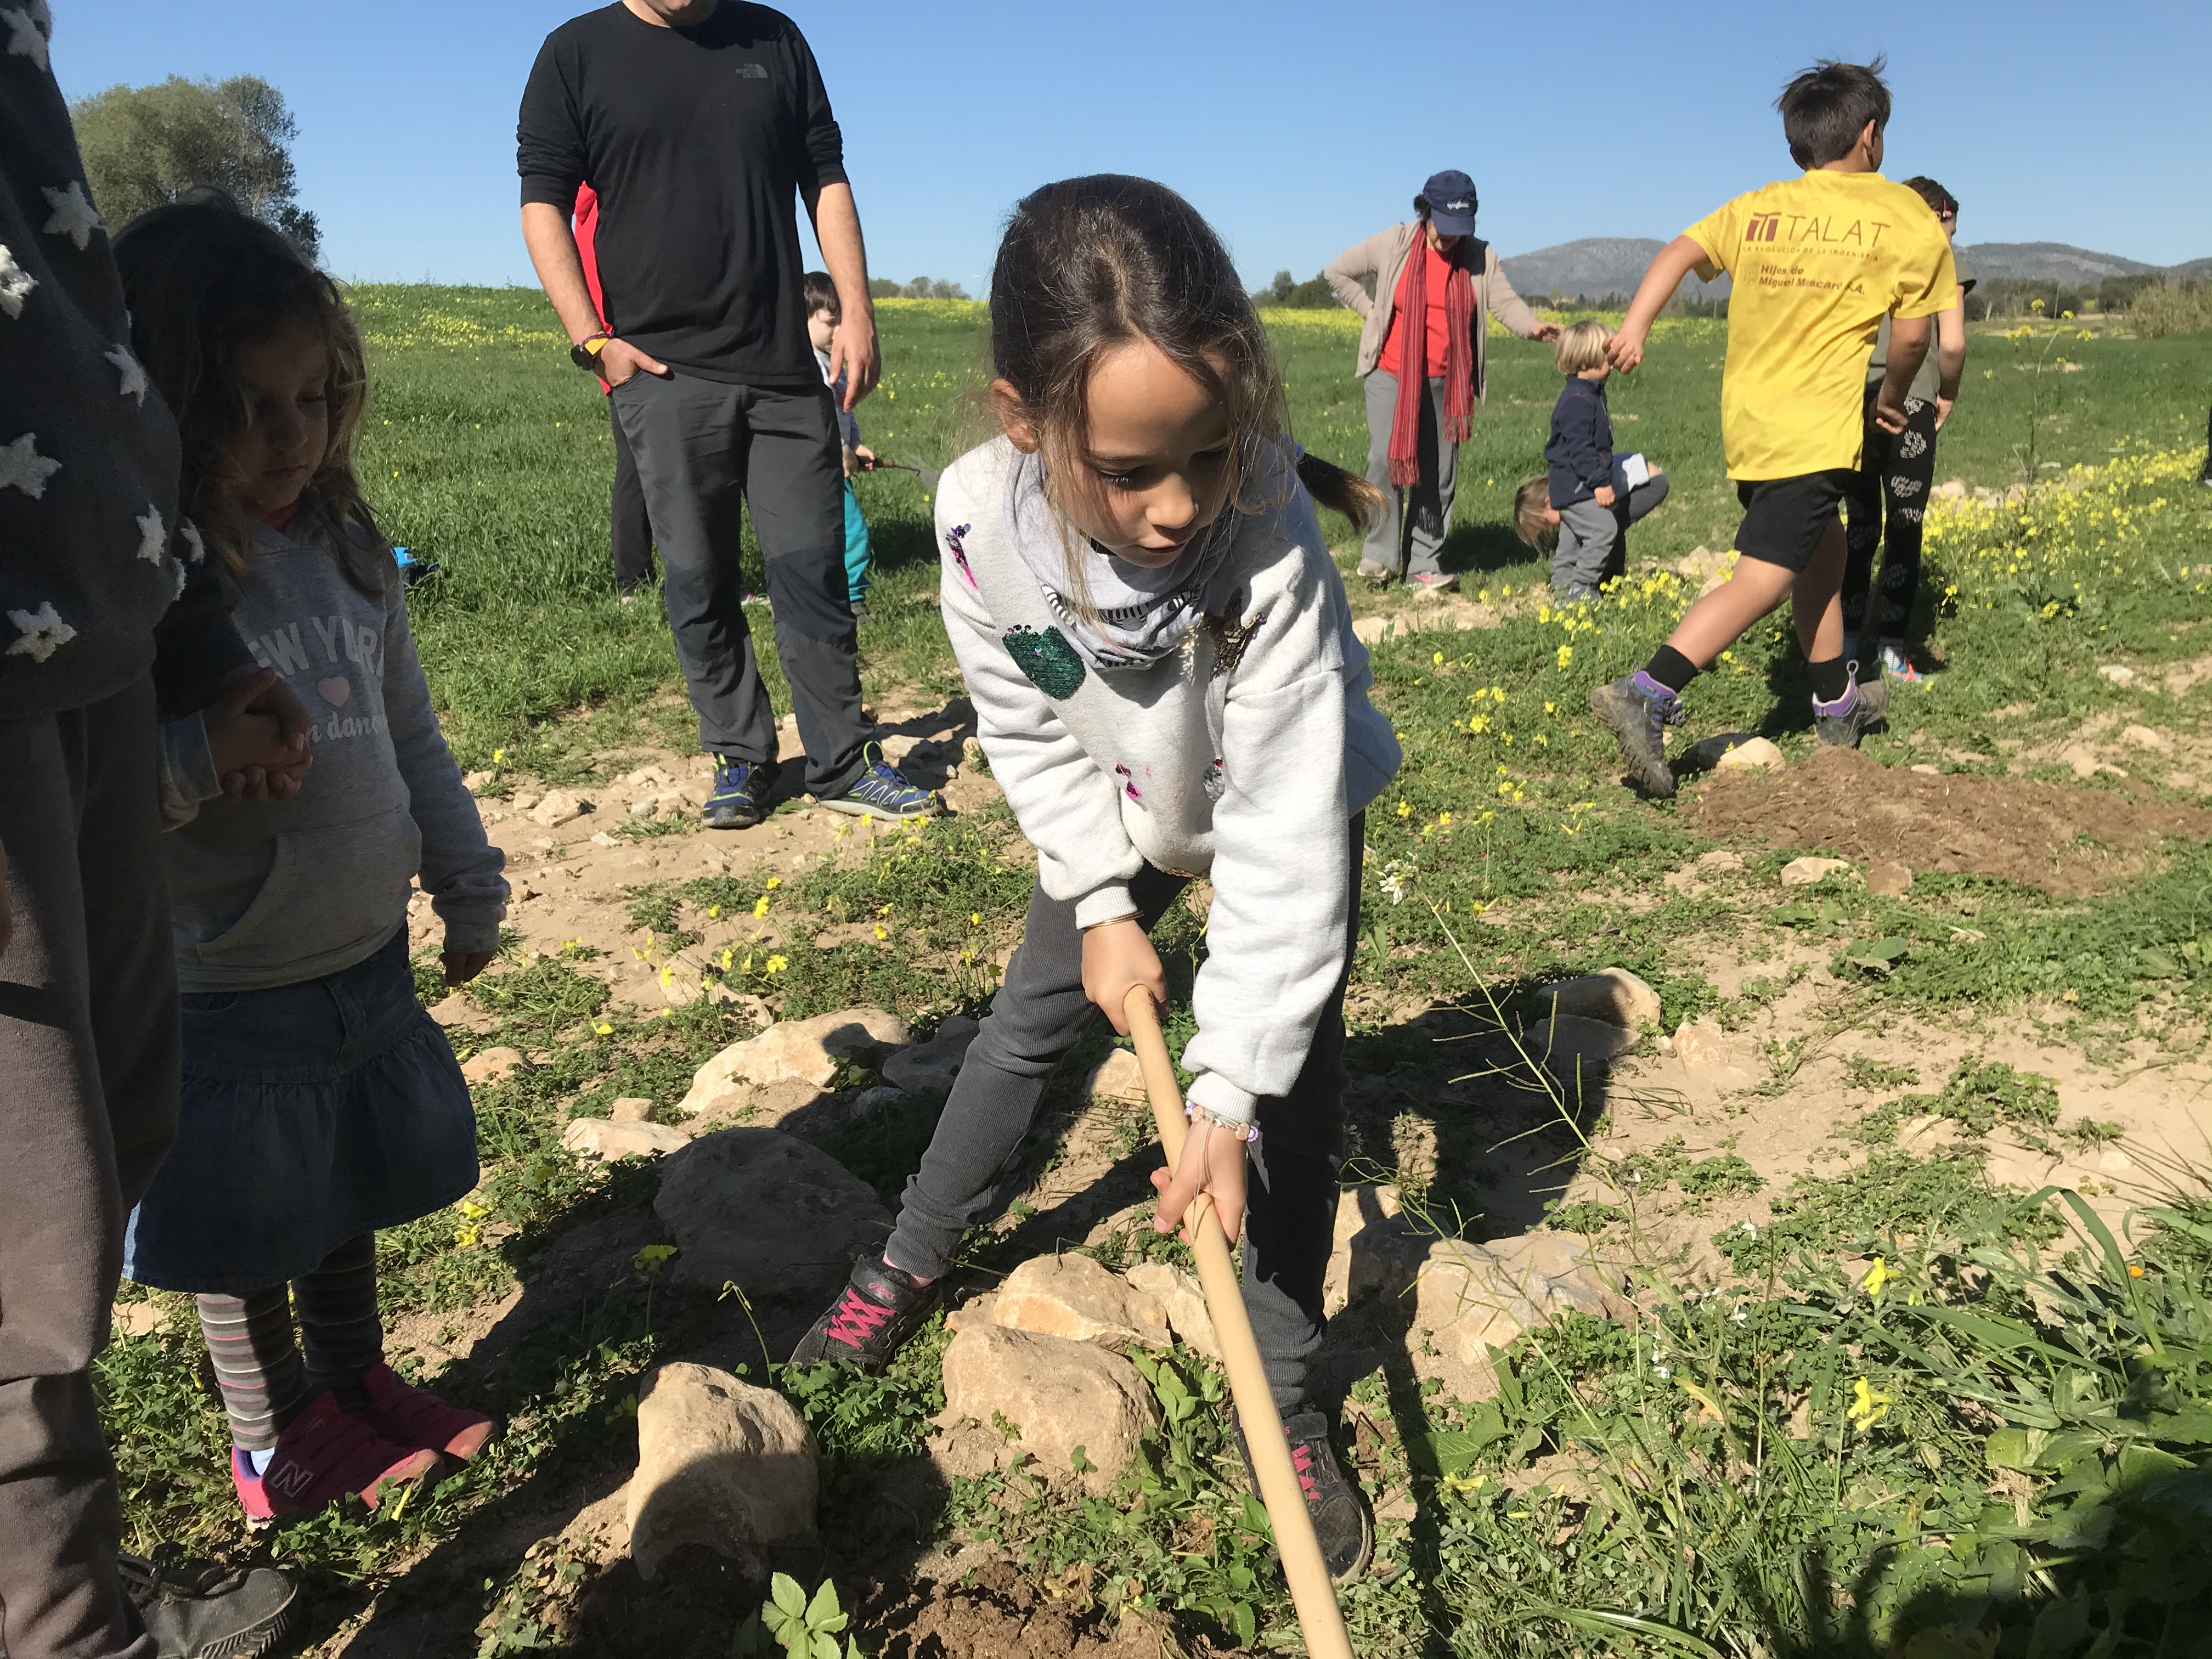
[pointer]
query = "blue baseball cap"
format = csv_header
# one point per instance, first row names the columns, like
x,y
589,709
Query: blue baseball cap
x,y
1451,202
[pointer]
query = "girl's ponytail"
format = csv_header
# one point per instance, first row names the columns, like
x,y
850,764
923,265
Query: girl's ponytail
x,y
1340,491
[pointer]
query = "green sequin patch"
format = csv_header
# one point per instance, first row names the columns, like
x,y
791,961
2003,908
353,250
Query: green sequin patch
x,y
1052,665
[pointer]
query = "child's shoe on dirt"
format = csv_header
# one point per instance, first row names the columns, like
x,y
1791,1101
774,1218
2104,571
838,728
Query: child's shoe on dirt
x,y
1638,710
871,1317
1431,584
1859,710
409,1416
1342,1523
738,800
325,1454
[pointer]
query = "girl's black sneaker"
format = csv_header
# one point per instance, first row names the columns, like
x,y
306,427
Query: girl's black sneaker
x,y
871,1317
1341,1521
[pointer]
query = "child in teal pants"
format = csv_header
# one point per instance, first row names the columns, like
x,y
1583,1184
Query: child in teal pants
x,y
823,312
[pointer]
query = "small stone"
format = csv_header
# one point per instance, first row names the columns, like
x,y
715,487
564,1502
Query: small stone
x,y
763,1210
1751,754
2144,736
137,1318
1568,1043
631,1109
605,838
881,1098
1471,1298
562,806
1073,1297
476,782
1719,860
1060,1395
803,1050
454,1010
645,777
1887,877
1926,770
1704,1047
1806,873
721,1464
2118,675
928,1069
1613,995
606,1140
1372,630
1714,750
523,800
641,809
1117,1077
1183,1299
492,1064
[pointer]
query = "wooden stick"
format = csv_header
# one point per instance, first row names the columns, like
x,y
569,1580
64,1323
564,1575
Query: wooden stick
x,y
1311,1592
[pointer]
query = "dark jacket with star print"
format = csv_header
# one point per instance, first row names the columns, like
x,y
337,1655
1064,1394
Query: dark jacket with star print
x,y
91,569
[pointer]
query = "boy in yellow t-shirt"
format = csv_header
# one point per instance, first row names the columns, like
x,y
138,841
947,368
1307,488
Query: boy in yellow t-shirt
x,y
1818,262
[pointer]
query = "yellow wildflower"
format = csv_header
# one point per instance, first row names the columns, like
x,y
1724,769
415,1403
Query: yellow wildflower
x,y
1869,1405
1877,1276
760,906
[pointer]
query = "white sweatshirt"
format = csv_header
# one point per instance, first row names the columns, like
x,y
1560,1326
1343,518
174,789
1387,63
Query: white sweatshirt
x,y
1242,755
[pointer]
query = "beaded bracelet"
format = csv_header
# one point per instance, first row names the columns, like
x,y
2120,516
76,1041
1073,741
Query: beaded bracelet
x,y
1247,1132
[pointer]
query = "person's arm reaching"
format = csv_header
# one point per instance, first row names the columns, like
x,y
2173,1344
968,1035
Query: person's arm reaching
x,y
1908,349
1508,307
1673,263
853,353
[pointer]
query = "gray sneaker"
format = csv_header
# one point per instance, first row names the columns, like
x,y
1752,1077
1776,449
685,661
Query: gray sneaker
x,y
197,1611
1859,710
1376,571
1638,710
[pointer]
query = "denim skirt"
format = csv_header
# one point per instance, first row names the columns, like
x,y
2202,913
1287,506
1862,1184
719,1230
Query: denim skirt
x,y
312,1113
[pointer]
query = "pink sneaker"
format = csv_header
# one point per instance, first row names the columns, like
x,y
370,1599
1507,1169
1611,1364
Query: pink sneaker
x,y
325,1453
409,1416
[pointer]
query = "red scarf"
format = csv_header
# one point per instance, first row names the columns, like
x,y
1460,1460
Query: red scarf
x,y
1412,302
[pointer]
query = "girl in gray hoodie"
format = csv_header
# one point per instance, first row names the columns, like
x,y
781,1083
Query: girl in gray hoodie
x,y
320,1102
1164,673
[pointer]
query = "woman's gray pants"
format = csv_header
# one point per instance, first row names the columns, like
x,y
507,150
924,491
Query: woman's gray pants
x,y
1407,537
1035,1019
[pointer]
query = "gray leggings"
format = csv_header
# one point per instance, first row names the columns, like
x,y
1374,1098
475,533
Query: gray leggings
x,y
1035,1019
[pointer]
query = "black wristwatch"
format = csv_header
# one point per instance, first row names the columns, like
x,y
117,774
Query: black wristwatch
x,y
585,354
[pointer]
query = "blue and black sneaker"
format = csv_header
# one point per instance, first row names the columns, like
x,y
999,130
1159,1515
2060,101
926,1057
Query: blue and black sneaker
x,y
881,793
739,798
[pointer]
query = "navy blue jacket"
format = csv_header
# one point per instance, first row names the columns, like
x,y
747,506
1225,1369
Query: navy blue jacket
x,y
1580,452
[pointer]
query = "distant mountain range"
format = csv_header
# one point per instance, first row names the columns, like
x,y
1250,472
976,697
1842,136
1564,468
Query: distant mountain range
x,y
1599,265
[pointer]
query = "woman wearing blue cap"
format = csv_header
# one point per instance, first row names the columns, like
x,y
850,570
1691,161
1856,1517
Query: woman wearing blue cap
x,y
1414,439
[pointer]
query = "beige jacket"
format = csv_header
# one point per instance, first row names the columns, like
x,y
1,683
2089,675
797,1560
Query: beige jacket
x,y
1383,256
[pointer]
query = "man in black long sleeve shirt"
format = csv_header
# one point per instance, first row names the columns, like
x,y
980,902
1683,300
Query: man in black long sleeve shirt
x,y
698,122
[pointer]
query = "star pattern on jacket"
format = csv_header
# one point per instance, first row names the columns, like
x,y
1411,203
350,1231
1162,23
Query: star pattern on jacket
x,y
15,283
153,535
134,375
21,467
189,533
24,38
73,217
42,633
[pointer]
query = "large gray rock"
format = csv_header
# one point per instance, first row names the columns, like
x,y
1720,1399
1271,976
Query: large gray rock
x,y
767,1213
720,1463
1060,1395
928,1069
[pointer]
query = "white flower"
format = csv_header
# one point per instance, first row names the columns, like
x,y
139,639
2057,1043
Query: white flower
x,y
24,468
24,38
43,633
134,377
15,284
1750,1231
1662,1372
153,537
190,534
74,217
1740,1316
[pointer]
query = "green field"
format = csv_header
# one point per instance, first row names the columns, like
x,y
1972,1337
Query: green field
x,y
2005,1454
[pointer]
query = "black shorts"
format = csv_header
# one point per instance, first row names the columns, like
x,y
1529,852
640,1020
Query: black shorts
x,y
1783,519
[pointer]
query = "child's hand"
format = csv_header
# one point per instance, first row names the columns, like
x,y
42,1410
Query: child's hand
x,y
462,966
1626,349
852,462
1943,409
256,754
1212,1162
1889,416
1117,957
1602,495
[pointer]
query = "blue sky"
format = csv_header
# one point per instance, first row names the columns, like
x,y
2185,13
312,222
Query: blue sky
x,y
1297,127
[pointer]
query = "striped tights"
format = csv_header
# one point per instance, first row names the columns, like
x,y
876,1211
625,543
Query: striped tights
x,y
265,1376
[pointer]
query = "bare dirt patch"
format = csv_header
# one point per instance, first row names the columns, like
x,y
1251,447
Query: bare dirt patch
x,y
2069,841
1001,1616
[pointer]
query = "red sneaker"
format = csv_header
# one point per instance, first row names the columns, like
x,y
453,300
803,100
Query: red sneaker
x,y
252,1491
325,1453
409,1416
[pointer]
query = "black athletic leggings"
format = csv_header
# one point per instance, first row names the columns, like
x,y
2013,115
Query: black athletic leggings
x,y
1889,494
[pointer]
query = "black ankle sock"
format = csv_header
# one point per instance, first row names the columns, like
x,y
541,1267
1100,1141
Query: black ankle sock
x,y
1671,668
1831,680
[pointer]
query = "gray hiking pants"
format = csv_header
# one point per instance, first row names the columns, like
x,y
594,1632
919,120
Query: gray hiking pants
x,y
1594,540
705,449
1409,534
88,1080
1035,1019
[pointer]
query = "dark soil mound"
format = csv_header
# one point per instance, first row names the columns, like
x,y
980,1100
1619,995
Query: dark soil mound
x,y
2069,842
1002,1617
